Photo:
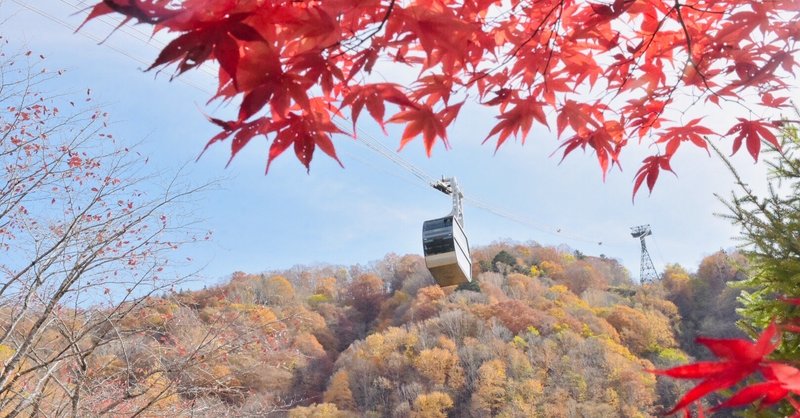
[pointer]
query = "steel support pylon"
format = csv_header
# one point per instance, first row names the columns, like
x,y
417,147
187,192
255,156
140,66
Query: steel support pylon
x,y
647,273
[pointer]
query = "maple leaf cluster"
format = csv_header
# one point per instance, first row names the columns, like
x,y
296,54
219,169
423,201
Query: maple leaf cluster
x,y
740,360
604,73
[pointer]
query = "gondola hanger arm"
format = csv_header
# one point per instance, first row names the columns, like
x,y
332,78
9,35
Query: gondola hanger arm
x,y
442,186
450,187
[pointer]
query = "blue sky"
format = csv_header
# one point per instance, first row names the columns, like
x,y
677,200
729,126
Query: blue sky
x,y
372,207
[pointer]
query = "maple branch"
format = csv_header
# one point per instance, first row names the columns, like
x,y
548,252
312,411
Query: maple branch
x,y
132,10
693,7
516,50
553,35
374,32
691,60
677,8
643,49
660,112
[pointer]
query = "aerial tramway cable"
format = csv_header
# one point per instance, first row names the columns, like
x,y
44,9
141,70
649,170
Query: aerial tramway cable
x,y
361,136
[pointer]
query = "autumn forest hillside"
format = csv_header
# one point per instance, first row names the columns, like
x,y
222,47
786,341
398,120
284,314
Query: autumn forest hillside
x,y
94,321
542,331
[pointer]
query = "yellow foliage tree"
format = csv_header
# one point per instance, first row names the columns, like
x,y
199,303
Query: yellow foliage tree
x,y
5,352
440,367
327,287
552,270
446,343
322,410
160,390
261,316
278,290
430,293
490,394
535,271
432,405
396,339
642,332
675,278
523,403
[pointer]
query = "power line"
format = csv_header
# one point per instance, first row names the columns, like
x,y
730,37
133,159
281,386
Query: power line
x,y
538,226
429,181
369,141
117,25
130,30
658,250
361,136
100,41
392,173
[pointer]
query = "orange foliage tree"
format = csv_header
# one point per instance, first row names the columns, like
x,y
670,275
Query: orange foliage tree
x,y
338,392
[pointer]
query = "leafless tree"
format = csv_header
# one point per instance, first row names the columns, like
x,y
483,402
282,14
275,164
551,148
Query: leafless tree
x,y
88,235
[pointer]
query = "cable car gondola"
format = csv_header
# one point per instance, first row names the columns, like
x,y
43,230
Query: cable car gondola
x,y
445,244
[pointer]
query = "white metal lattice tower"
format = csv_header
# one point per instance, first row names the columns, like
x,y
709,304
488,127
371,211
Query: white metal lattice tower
x,y
647,273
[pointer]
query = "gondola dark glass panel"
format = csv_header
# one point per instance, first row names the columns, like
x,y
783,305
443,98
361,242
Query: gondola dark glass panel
x,y
446,251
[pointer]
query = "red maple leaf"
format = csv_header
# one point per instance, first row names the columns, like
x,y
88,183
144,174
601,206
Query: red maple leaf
x,y
753,132
738,359
769,393
606,141
782,380
306,133
518,120
786,375
373,97
423,120
791,301
558,55
98,10
768,99
651,167
692,132
75,161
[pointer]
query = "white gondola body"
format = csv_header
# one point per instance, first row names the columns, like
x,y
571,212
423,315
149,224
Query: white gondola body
x,y
447,251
